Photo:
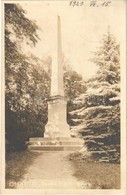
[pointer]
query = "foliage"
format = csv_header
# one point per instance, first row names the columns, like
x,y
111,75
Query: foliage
x,y
74,84
100,111
20,75
108,60
27,113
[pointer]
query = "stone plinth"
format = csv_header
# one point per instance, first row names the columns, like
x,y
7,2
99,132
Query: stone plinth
x,y
57,144
57,118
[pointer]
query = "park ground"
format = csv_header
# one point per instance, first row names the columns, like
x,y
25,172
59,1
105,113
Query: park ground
x,y
28,169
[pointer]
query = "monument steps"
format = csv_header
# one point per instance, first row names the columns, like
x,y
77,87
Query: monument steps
x,y
57,144
54,143
56,138
55,148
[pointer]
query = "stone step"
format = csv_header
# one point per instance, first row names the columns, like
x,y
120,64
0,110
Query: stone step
x,y
55,148
72,142
52,139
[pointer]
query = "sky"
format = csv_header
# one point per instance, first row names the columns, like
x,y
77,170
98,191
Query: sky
x,y
82,28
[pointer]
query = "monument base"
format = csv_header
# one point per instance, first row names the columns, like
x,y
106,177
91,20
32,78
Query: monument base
x,y
57,132
57,125
57,144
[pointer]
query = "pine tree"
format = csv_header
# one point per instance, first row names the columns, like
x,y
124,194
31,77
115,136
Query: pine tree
x,y
100,114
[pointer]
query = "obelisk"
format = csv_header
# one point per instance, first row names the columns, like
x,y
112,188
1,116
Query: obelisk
x,y
57,106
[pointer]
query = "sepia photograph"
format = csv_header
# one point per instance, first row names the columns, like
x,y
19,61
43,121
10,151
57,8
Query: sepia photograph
x,y
64,105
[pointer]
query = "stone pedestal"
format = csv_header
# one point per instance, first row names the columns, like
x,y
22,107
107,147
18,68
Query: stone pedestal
x,y
57,118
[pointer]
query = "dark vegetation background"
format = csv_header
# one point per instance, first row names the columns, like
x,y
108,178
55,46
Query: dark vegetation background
x,y
93,108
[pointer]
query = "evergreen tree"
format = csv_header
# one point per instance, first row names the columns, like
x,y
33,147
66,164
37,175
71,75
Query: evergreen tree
x,y
99,117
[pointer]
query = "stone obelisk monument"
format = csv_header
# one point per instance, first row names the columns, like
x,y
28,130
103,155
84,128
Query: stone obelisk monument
x,y
57,106
57,134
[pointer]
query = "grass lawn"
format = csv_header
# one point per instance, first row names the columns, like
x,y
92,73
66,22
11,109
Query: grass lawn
x,y
17,164
99,175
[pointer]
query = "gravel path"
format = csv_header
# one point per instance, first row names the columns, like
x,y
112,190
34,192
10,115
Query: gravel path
x,y
51,170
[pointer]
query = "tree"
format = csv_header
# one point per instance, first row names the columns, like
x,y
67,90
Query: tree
x,y
74,85
99,117
18,28
108,60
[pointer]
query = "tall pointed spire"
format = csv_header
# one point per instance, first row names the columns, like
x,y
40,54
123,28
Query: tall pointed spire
x,y
57,66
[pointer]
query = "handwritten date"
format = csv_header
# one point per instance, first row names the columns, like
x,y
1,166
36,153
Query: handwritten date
x,y
92,3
